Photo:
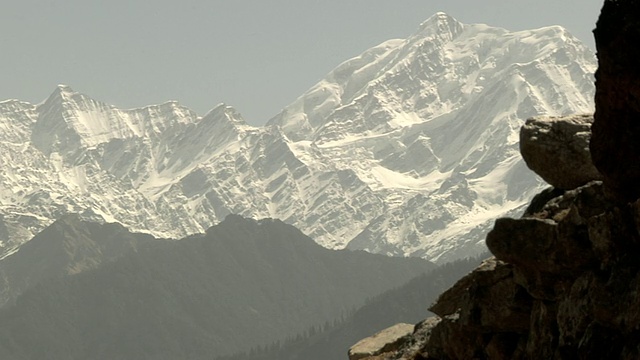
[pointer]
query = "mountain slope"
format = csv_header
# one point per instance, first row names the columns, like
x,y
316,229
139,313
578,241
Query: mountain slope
x,y
434,120
408,149
405,304
242,284
66,247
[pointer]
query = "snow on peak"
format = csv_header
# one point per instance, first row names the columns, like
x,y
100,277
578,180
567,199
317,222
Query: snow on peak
x,y
59,95
407,149
68,119
440,24
432,121
226,112
63,89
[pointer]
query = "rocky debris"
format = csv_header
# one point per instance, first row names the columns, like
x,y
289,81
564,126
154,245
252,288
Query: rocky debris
x,y
557,149
615,145
382,343
565,280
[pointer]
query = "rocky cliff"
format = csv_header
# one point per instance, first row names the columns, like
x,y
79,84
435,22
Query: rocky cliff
x,y
565,279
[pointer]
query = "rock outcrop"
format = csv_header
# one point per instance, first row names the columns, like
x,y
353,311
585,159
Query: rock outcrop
x,y
563,285
382,343
557,149
565,279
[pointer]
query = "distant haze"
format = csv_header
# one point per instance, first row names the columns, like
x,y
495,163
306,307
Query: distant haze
x,y
257,56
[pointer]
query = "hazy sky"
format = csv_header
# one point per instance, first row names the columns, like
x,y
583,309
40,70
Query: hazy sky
x,y
256,55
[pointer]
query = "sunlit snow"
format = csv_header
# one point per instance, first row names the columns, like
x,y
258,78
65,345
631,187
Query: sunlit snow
x,y
410,148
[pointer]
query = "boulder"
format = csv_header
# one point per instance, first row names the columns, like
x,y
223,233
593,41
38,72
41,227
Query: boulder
x,y
557,149
615,142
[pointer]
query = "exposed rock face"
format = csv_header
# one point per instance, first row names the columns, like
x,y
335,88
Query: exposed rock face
x,y
564,284
615,146
383,342
407,347
565,280
485,302
557,148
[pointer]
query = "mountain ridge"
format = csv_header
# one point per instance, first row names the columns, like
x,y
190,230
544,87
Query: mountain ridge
x,y
408,149
104,292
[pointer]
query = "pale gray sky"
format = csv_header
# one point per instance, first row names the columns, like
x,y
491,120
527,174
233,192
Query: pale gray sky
x,y
256,55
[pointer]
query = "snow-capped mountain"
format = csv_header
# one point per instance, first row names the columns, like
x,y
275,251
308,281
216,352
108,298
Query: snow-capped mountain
x,y
408,149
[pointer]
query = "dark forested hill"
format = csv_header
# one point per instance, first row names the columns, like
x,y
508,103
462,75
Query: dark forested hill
x,y
407,303
68,246
242,284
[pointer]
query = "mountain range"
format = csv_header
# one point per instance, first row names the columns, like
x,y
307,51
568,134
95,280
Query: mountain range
x,y
409,149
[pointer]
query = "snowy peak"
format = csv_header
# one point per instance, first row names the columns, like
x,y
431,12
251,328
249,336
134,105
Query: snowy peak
x,y
434,120
228,114
350,81
434,72
62,93
53,130
63,99
68,120
440,25
64,90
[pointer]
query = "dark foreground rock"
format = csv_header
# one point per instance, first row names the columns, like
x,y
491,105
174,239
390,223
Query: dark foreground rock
x,y
557,149
615,145
563,284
